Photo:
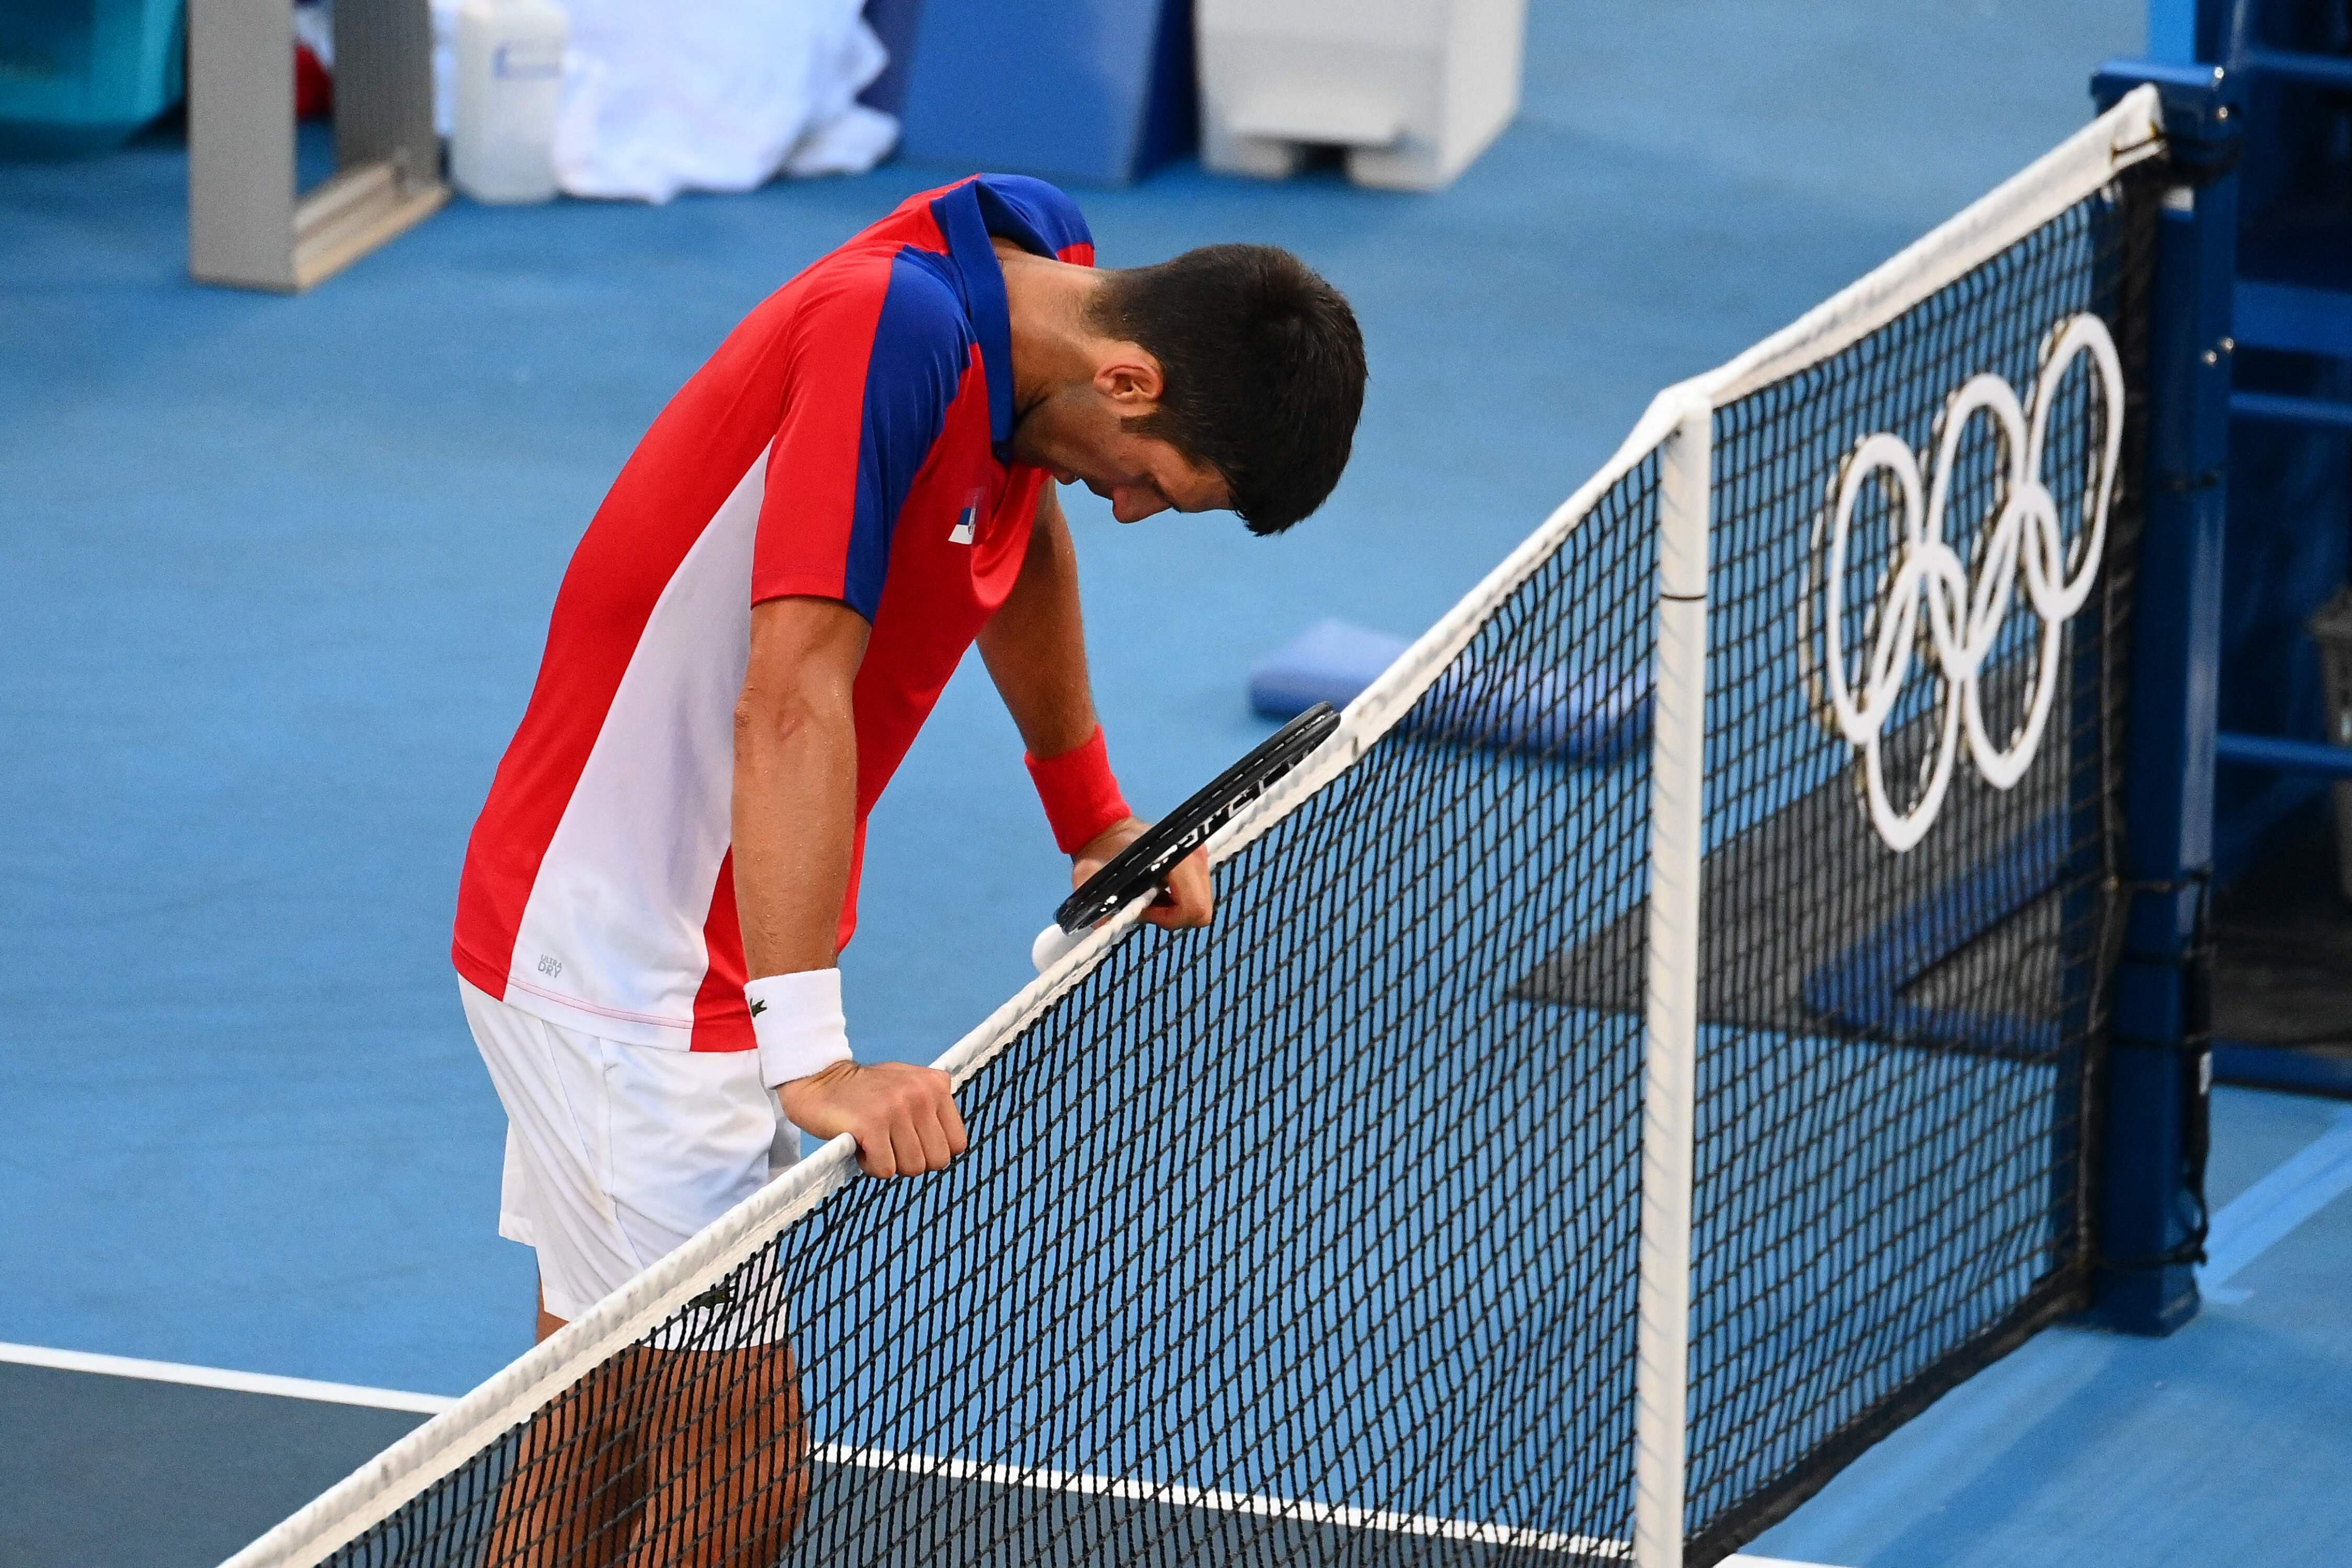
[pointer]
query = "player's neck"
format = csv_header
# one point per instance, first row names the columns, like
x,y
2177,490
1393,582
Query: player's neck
x,y
1046,302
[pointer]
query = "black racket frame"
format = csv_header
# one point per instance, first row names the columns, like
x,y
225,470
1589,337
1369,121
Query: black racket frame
x,y
1147,861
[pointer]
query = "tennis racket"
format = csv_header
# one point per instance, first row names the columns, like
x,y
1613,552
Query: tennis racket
x,y
1146,862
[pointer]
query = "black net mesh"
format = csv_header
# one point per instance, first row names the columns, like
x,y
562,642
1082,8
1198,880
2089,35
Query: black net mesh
x,y
1299,1239
1891,1082
1311,1238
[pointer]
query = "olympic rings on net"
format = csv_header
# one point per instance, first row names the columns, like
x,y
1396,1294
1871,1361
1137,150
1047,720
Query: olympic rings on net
x,y
1964,616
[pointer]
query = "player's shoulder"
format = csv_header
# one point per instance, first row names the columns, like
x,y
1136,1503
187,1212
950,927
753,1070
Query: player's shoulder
x,y
922,332
1039,214
898,293
1035,213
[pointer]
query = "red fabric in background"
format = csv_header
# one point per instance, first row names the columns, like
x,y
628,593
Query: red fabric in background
x,y
314,87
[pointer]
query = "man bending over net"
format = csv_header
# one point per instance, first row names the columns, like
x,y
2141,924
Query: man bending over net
x,y
850,493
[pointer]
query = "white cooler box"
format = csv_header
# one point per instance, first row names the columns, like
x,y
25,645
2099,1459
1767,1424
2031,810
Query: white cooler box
x,y
1413,88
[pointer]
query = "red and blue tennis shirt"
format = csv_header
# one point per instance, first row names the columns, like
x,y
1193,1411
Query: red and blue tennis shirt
x,y
847,441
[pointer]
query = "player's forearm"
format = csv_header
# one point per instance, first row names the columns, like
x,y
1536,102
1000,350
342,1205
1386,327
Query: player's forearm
x,y
794,818
1036,645
795,808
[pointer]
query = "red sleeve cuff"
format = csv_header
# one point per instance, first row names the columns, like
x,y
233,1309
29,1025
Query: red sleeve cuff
x,y
1080,794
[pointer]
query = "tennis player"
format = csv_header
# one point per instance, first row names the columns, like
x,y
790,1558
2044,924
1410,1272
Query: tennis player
x,y
849,494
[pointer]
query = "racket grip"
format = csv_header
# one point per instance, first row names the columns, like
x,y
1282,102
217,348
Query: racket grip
x,y
1052,943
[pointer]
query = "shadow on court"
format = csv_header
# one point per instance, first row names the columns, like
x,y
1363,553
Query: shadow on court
x,y
100,1471
121,1472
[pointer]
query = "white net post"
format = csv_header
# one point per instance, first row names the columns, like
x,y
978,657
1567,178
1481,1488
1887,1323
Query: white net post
x,y
1677,776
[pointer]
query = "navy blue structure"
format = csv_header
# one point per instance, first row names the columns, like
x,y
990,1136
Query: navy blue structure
x,y
893,22
2289,537
2282,988
2154,1121
1090,92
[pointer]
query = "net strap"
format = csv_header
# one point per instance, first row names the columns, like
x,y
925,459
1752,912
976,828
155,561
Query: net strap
x,y
1670,1036
2078,167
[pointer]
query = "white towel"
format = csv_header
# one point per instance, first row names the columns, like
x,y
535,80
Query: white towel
x,y
717,95
705,95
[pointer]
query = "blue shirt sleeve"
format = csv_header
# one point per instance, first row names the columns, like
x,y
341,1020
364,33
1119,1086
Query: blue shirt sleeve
x,y
921,346
1033,214
870,389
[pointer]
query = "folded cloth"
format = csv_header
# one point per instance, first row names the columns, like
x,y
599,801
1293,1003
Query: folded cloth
x,y
722,95
1586,718
718,95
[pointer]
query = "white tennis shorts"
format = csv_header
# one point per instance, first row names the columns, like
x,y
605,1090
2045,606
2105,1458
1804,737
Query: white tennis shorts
x,y
616,1153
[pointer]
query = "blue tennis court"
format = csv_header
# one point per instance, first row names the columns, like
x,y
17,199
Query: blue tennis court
x,y
278,574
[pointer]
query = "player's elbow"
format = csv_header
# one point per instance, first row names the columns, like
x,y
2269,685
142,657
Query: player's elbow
x,y
789,710
802,664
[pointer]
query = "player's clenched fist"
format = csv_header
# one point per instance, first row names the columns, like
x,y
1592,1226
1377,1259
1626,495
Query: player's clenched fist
x,y
1185,900
904,1118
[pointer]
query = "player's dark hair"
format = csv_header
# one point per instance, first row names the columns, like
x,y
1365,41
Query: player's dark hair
x,y
1263,369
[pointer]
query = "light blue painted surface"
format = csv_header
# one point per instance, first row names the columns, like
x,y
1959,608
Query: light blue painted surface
x,y
2227,1443
2267,1213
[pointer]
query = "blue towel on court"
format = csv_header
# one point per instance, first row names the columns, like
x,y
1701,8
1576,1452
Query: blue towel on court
x,y
1577,718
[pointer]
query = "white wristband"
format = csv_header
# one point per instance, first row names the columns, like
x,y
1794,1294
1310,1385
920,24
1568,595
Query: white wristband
x,y
797,1020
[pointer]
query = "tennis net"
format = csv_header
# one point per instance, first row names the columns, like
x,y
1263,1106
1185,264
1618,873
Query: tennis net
x,y
1563,1149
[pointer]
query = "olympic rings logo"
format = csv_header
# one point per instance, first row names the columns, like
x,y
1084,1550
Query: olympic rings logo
x,y
1964,614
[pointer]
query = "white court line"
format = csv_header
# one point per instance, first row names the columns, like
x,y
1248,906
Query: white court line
x,y
2263,1214
219,1377
1078,1483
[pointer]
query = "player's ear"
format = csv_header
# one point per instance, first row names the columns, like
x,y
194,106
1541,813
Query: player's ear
x,y
1129,377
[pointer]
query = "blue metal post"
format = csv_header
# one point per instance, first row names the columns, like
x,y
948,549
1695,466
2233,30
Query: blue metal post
x,y
2149,1150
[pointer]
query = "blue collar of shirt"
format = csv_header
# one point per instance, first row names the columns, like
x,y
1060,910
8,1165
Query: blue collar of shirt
x,y
968,216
